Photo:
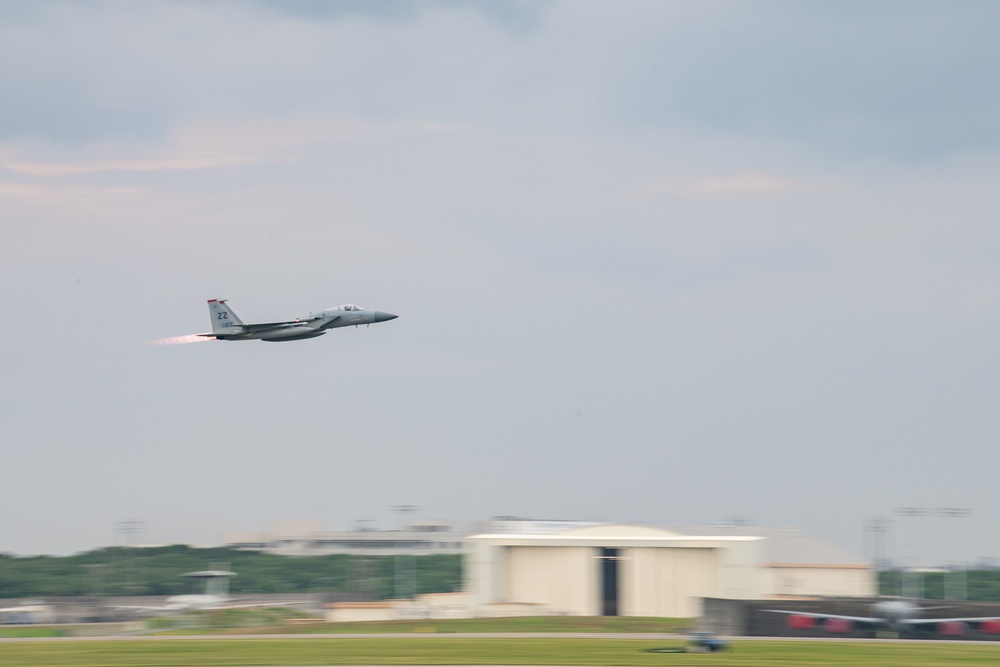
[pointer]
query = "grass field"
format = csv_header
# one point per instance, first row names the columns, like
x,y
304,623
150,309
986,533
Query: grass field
x,y
462,651
568,624
31,631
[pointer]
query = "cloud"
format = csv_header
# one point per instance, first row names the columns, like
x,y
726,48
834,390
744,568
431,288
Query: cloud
x,y
678,200
746,182
512,14
14,190
207,145
906,81
134,72
896,79
167,164
21,190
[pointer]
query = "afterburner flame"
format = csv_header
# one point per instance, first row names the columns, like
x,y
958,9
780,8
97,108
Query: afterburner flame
x,y
181,340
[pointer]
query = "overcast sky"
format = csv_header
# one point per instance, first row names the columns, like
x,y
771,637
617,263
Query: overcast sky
x,y
660,262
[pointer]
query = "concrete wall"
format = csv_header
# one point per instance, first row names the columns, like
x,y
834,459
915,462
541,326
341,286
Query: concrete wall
x,y
512,610
820,580
727,618
346,612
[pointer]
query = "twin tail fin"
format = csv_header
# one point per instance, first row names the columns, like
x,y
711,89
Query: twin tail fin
x,y
224,320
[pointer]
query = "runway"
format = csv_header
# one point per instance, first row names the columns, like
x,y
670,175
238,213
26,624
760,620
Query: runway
x,y
489,635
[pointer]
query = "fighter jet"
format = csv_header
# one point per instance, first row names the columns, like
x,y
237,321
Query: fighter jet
x,y
894,615
227,326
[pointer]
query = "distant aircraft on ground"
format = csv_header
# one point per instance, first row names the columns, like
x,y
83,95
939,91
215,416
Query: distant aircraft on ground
x,y
214,597
27,612
894,615
227,326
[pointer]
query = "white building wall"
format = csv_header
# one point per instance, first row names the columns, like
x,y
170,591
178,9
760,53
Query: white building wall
x,y
659,573
562,578
742,575
640,582
667,581
828,580
361,612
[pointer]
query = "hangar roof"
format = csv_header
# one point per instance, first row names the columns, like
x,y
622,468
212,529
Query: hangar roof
x,y
788,547
614,535
783,546
620,530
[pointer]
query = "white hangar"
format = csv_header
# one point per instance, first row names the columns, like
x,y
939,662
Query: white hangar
x,y
620,570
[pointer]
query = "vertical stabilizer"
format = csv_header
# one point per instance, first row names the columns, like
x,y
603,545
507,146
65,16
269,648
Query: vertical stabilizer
x,y
223,317
218,585
214,582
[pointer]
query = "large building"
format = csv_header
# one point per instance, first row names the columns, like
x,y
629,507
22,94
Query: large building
x,y
417,537
307,538
527,567
612,570
796,565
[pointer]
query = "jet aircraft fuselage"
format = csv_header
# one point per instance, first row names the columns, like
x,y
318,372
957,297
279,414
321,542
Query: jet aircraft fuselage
x,y
227,326
896,615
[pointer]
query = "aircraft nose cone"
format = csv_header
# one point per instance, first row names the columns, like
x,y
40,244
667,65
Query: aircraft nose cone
x,y
384,317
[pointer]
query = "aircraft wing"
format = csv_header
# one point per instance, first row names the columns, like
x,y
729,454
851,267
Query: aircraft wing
x,y
257,605
252,328
137,607
841,617
329,322
247,328
266,326
930,621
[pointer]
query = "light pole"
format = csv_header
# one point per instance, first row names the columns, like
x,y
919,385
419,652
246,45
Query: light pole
x,y
403,511
911,583
876,553
955,587
876,531
129,529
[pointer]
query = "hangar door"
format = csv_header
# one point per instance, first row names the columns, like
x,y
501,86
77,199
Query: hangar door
x,y
561,578
609,581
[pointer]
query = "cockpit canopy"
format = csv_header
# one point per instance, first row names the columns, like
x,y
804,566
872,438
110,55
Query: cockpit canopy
x,y
348,306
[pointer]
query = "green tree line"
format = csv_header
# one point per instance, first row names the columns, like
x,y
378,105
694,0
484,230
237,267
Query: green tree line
x,y
116,571
980,585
